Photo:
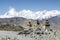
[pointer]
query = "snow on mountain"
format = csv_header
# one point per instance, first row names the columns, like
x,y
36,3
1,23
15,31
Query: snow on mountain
x,y
30,14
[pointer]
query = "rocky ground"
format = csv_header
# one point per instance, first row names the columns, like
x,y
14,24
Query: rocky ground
x,y
55,35
46,35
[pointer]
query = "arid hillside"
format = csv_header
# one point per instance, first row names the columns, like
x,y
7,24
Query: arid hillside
x,y
19,23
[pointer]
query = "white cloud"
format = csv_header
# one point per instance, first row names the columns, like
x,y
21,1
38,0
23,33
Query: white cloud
x,y
30,14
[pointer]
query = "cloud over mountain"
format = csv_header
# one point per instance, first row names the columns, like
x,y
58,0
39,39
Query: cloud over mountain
x,y
30,14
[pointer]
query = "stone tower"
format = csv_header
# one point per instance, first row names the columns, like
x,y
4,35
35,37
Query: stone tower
x,y
29,25
33,25
47,25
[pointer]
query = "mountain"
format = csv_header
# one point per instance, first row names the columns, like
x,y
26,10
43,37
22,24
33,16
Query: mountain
x,y
12,23
15,23
55,22
45,14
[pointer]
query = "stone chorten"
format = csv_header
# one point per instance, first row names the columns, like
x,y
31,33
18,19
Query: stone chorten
x,y
47,25
33,25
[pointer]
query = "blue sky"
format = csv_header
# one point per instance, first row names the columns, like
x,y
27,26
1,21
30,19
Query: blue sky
x,y
34,5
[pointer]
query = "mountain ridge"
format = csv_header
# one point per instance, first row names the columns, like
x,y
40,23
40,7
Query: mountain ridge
x,y
45,14
23,22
